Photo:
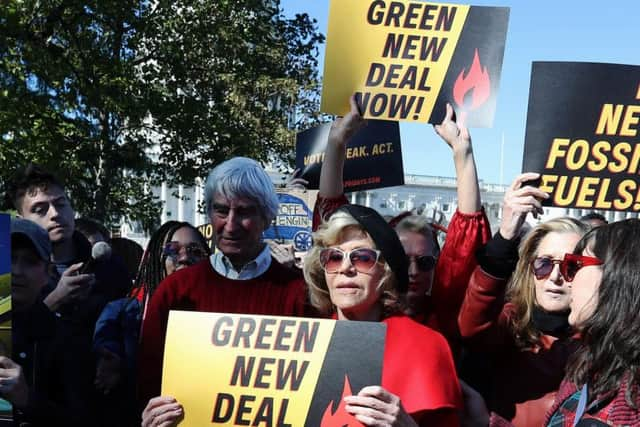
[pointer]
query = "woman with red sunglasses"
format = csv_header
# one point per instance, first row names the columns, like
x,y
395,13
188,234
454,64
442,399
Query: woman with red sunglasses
x,y
602,382
356,270
604,374
515,311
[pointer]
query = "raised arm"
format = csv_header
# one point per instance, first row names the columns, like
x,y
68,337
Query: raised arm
x,y
482,315
457,136
343,128
468,230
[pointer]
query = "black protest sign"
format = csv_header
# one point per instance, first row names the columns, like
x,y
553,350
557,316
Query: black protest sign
x,y
582,134
374,156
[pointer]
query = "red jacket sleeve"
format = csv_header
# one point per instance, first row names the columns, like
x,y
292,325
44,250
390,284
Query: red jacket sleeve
x,y
324,207
465,235
484,316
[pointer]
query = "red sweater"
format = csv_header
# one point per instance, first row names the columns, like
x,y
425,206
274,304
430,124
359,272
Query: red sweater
x,y
277,292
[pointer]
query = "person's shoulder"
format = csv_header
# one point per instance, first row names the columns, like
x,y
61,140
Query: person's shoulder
x,y
402,325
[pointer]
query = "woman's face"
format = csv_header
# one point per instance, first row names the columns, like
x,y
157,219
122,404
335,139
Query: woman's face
x,y
584,292
355,294
553,293
183,250
416,245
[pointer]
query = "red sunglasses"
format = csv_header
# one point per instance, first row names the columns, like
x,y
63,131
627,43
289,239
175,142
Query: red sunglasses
x,y
569,265
574,262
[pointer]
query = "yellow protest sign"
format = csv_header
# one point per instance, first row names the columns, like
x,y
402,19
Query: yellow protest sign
x,y
405,59
229,370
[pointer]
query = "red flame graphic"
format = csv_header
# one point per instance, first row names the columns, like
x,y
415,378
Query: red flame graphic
x,y
340,418
476,80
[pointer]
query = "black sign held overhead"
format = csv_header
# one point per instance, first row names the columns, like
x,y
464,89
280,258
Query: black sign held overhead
x,y
582,134
374,156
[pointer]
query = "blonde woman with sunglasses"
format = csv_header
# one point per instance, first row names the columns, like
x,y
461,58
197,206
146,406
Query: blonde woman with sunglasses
x,y
437,278
515,312
356,270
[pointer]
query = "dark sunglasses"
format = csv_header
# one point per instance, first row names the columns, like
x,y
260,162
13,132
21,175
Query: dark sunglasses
x,y
573,262
193,250
543,266
569,265
363,259
424,263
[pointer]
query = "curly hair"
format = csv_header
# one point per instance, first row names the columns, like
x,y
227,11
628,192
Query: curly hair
x,y
331,233
609,352
521,290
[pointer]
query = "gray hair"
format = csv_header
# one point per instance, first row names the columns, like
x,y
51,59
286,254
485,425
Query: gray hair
x,y
241,177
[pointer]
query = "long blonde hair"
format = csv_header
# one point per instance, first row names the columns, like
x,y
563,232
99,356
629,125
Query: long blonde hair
x,y
521,291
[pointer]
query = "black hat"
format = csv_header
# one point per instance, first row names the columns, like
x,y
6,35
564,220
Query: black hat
x,y
386,241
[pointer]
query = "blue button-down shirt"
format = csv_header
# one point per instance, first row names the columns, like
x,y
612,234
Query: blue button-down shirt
x,y
251,270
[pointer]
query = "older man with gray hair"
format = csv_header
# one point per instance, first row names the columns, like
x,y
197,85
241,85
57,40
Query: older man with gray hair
x,y
240,278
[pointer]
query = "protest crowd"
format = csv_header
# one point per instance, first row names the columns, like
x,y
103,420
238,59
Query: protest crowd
x,y
521,326
514,329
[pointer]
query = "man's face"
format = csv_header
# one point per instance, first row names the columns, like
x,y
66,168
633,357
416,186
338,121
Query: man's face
x,y
51,210
238,225
29,274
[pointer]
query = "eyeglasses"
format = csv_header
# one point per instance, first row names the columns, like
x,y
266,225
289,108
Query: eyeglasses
x,y
192,250
573,262
425,262
569,265
363,259
543,266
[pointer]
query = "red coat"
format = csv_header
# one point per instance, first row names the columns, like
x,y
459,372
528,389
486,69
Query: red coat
x,y
524,382
418,368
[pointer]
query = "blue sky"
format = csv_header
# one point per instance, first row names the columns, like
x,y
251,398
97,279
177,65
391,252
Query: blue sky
x,y
541,30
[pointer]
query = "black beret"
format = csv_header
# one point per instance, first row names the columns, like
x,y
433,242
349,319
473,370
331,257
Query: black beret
x,y
385,238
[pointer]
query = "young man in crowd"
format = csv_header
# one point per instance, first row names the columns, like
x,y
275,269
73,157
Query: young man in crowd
x,y
77,290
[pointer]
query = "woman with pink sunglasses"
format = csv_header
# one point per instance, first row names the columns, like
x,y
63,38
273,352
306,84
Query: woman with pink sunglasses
x,y
357,270
515,312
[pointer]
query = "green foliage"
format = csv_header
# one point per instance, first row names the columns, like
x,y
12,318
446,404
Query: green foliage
x,y
115,96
